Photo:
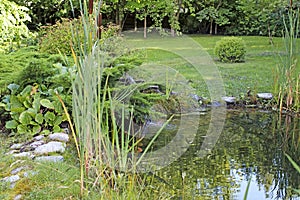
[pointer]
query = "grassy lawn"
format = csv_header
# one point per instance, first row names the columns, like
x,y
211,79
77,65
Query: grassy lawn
x,y
256,73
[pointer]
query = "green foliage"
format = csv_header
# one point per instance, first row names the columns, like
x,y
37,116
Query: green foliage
x,y
57,38
12,23
33,111
43,12
30,66
230,49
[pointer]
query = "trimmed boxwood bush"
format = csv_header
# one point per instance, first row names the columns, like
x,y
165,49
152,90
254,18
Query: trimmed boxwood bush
x,y
230,49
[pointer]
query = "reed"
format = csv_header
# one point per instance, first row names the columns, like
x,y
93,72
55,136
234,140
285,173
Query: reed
x,y
103,133
286,80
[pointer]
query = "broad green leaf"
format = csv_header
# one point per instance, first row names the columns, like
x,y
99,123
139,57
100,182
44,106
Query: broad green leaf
x,y
13,87
49,116
56,129
11,124
27,103
47,103
36,129
25,118
39,118
58,120
32,112
23,129
45,132
26,90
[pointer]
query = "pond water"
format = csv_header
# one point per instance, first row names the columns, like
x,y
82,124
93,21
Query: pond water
x,y
250,152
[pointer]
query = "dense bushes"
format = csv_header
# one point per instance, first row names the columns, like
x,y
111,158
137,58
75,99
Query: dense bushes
x,y
230,49
12,23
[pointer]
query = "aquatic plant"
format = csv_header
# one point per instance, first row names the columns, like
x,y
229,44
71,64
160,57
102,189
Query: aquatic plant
x,y
103,126
286,79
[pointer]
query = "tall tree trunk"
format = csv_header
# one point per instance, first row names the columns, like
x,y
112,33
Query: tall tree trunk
x,y
270,35
216,29
118,13
145,26
135,22
211,27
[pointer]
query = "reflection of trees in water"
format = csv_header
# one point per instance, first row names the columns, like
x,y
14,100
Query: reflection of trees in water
x,y
252,145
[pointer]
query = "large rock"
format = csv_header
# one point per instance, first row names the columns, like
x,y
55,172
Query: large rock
x,y
229,100
50,147
62,137
266,96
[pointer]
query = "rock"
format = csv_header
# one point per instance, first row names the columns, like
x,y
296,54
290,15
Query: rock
x,y
16,146
12,152
196,97
17,170
18,197
266,96
50,158
62,137
36,144
11,179
39,137
229,100
23,155
50,147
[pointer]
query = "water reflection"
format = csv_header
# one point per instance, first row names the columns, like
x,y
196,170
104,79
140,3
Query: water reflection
x,y
250,152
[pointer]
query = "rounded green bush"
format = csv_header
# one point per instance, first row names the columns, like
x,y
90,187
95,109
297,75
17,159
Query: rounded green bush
x,y
230,49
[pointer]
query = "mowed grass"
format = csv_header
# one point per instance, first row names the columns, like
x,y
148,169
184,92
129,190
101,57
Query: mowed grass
x,y
255,74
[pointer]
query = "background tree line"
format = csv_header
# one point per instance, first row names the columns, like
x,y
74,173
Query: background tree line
x,y
229,17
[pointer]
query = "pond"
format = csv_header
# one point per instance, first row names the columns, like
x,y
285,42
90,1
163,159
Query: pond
x,y
250,152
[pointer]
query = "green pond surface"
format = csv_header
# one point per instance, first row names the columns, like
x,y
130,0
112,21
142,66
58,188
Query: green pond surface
x,y
250,152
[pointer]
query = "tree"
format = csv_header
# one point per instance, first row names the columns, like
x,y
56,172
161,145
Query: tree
x,y
12,23
215,12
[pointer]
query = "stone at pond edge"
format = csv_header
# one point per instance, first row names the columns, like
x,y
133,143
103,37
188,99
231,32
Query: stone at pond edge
x,y
50,159
266,96
229,99
50,147
62,137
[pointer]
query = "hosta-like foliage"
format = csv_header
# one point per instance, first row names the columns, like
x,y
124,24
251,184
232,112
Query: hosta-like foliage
x,y
33,111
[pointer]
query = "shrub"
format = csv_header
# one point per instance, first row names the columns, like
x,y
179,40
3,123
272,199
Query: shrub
x,y
13,28
230,49
57,37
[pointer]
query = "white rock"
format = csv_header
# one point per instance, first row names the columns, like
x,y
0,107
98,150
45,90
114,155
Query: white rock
x,y
266,96
16,146
62,137
50,147
11,179
18,197
50,158
39,137
36,143
17,170
229,99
